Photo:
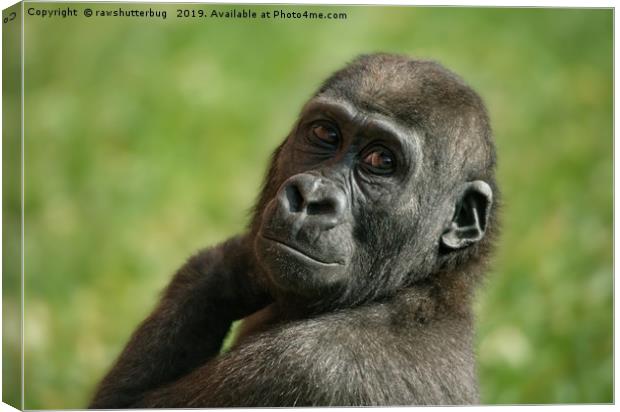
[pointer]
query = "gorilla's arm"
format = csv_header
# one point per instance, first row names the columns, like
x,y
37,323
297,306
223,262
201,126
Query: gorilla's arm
x,y
352,358
214,288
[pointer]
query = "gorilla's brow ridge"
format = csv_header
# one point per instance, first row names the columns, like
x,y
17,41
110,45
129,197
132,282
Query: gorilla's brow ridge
x,y
379,120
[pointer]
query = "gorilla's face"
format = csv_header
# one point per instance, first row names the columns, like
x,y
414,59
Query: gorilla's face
x,y
345,206
371,187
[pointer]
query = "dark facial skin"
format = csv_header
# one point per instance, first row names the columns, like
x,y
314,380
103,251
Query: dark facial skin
x,y
337,162
355,277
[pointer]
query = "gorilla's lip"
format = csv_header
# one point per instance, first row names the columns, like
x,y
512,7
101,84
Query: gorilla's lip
x,y
295,251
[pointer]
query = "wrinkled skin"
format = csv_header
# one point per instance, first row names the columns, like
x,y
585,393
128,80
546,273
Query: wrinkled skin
x,y
355,276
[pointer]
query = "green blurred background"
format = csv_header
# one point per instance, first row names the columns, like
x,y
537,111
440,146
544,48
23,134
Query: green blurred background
x,y
147,139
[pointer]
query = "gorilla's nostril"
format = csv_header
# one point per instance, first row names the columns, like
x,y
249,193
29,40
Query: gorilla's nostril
x,y
294,197
324,207
307,196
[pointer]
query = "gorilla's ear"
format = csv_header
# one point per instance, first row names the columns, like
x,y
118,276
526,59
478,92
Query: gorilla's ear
x,y
470,216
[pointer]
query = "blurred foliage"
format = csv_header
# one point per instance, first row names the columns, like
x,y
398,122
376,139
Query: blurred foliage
x,y
11,211
146,139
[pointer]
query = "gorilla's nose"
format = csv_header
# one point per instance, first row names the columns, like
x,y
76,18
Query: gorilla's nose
x,y
314,199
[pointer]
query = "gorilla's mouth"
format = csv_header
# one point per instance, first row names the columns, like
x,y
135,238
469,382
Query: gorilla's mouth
x,y
299,253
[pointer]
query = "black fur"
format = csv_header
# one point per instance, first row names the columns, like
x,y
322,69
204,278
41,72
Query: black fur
x,y
386,320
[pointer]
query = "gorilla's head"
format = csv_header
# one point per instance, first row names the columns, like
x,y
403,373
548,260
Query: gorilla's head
x,y
386,179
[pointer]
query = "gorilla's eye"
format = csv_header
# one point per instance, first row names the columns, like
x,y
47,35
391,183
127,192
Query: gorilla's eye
x,y
379,161
325,134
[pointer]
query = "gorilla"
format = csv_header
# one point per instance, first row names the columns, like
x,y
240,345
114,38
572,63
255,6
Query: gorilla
x,y
356,274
